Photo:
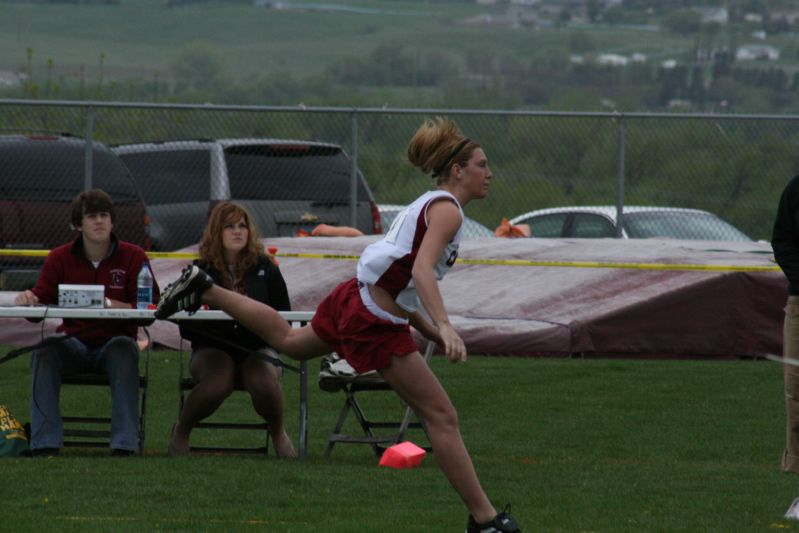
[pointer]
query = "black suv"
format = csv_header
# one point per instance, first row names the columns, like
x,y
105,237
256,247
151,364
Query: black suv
x,y
39,177
286,185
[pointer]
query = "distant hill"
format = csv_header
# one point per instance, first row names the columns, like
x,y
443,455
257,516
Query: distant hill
x,y
375,52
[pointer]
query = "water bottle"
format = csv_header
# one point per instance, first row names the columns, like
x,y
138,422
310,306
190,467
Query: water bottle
x,y
144,287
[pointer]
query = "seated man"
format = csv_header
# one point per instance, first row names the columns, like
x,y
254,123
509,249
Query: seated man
x,y
96,257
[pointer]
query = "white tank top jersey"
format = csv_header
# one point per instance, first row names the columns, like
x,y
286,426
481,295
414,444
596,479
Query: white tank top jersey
x,y
388,262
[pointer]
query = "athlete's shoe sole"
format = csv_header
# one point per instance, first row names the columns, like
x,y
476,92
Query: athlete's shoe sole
x,y
185,293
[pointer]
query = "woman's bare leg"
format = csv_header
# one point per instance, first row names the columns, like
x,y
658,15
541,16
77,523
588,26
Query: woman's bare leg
x,y
260,379
416,384
214,372
267,323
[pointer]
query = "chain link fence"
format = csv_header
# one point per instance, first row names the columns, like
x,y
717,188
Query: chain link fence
x,y
733,166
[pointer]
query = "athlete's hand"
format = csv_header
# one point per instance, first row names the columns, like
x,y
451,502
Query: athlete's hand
x,y
453,345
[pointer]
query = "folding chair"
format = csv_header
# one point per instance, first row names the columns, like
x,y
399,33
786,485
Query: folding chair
x,y
355,384
297,319
186,384
76,432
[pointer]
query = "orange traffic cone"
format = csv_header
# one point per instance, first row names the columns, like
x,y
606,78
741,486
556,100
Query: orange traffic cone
x,y
403,455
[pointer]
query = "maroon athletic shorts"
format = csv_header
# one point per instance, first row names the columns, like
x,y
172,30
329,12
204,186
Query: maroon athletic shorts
x,y
367,342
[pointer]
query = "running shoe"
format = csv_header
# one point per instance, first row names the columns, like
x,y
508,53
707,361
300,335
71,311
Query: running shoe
x,y
501,523
185,293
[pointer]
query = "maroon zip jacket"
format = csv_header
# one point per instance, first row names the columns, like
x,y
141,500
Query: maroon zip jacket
x,y
117,272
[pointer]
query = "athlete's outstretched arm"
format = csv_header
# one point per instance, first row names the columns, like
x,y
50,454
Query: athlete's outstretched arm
x,y
443,221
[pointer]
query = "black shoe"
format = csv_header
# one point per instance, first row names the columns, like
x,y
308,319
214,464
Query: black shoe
x,y
45,452
503,522
119,452
184,294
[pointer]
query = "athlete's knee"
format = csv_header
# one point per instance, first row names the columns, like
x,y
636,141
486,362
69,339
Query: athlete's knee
x,y
442,414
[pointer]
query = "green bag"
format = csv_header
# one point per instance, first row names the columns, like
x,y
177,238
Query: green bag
x,y
13,440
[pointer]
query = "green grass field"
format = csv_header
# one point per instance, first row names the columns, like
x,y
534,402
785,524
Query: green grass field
x,y
141,37
573,445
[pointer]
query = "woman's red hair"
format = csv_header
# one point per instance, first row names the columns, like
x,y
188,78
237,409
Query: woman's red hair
x,y
213,252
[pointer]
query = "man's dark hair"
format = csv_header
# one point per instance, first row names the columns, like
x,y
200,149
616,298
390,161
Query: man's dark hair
x,y
88,202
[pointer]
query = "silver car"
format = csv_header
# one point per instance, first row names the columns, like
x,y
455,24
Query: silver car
x,y
640,222
471,228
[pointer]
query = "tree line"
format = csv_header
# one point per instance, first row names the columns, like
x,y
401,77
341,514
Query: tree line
x,y
733,168
403,75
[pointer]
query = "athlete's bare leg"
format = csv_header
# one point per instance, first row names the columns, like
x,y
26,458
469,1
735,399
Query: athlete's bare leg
x,y
301,343
412,379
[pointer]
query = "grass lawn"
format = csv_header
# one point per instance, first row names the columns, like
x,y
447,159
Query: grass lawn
x,y
574,445
140,37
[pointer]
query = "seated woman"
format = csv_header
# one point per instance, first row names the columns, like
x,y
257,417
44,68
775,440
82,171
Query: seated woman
x,y
231,253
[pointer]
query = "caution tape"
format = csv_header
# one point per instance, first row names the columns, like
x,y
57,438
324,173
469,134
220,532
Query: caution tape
x,y
24,253
340,257
569,264
173,255
151,255
467,261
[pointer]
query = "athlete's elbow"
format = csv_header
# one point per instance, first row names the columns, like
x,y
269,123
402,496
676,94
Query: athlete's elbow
x,y
420,272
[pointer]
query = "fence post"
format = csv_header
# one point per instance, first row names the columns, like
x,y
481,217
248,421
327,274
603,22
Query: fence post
x,y
89,149
354,172
620,170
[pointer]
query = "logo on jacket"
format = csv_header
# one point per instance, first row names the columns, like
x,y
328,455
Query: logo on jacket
x,y
117,275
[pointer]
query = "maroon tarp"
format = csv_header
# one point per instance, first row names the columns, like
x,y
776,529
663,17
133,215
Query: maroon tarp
x,y
562,310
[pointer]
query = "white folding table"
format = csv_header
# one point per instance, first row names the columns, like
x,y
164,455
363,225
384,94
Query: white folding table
x,y
297,319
